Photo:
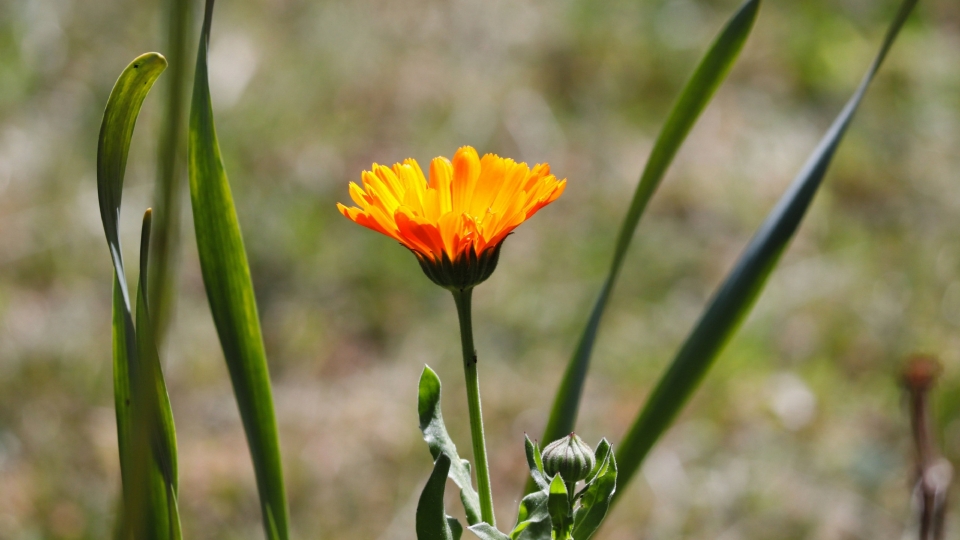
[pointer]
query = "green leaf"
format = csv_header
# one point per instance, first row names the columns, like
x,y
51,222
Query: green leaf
x,y
145,431
536,530
601,453
558,504
735,297
711,71
171,168
596,497
485,531
439,442
535,462
432,520
226,277
456,529
533,508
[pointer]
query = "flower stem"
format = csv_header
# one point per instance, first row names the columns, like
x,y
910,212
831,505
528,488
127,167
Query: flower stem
x,y
462,297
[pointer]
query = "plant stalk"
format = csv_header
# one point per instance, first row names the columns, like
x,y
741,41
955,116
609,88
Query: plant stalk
x,y
462,298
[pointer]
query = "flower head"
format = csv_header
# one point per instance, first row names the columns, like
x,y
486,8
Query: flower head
x,y
455,222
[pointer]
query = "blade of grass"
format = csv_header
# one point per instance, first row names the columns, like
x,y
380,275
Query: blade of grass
x,y
226,277
171,165
145,430
711,71
735,297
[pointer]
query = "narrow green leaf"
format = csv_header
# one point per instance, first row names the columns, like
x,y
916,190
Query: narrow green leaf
x,y
596,498
226,277
735,297
145,431
171,168
431,518
535,463
456,529
440,443
711,71
485,531
600,454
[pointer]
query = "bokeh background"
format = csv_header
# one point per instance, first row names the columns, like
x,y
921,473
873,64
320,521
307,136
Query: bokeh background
x,y
799,430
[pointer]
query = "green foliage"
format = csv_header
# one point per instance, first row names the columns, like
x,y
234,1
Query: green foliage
x,y
226,277
440,443
145,431
707,77
737,294
432,521
558,505
596,497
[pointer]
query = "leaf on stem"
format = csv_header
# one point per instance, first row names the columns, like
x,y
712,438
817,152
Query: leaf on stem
x,y
432,521
701,86
145,431
733,300
596,496
439,441
226,278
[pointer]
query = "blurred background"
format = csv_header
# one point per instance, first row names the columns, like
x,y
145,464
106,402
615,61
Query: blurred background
x,y
799,431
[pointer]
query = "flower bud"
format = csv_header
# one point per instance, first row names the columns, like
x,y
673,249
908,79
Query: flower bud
x,y
572,458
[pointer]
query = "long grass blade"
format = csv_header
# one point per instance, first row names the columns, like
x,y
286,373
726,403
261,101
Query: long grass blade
x,y
171,167
737,294
705,80
226,276
145,431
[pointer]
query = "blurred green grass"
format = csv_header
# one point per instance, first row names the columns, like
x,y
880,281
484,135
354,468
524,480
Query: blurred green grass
x,y
799,430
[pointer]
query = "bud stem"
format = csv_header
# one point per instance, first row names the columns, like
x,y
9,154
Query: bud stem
x,y
462,298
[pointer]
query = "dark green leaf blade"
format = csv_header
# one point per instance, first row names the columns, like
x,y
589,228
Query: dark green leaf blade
x,y
535,463
431,517
701,86
736,295
439,441
226,277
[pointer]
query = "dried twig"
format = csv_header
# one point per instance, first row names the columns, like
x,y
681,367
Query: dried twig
x,y
933,472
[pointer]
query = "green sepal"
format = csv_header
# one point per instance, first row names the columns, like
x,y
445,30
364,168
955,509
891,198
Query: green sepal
x,y
433,523
596,497
601,453
535,462
439,441
558,504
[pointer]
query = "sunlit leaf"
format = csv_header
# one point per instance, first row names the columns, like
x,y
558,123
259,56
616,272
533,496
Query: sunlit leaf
x,y
439,441
226,277
145,431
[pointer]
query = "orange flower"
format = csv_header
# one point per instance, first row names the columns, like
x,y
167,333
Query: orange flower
x,y
461,216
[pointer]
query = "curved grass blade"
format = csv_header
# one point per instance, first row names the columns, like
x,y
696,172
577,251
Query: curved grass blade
x,y
711,71
145,431
226,277
736,295
439,441
171,166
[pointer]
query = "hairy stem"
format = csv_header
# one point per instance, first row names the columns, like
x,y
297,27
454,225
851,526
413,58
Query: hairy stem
x,y
462,298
